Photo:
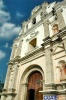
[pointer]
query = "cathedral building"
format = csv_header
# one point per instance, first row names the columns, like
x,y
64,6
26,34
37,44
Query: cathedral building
x,y
37,66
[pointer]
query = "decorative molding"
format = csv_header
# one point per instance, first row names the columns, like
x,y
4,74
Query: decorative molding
x,y
32,35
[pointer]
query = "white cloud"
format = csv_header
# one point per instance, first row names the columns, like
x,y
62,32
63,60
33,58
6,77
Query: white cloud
x,y
4,16
1,4
2,54
7,29
18,14
6,45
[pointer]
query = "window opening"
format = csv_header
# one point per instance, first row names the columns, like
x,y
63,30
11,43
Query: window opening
x,y
41,13
32,44
27,27
34,21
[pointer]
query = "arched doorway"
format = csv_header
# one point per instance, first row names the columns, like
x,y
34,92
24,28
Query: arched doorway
x,y
31,77
34,86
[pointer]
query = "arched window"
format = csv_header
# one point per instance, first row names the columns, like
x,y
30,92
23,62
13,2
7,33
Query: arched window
x,y
34,21
55,28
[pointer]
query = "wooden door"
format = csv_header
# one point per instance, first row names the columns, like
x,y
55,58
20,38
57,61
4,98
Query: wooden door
x,y
34,86
39,95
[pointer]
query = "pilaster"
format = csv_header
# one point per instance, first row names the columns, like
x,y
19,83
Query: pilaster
x,y
19,49
46,28
49,71
60,19
49,66
14,75
49,78
7,78
11,92
13,52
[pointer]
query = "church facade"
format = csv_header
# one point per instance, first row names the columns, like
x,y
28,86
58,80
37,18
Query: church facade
x,y
37,66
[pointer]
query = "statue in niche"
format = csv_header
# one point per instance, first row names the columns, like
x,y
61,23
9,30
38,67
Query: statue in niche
x,y
62,65
55,28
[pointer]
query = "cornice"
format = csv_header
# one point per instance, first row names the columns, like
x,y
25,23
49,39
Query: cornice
x,y
14,61
36,13
32,56
13,94
63,3
47,42
55,39
61,33
36,53
46,16
59,5
10,62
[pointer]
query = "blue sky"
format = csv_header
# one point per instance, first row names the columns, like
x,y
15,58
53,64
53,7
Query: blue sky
x,y
12,14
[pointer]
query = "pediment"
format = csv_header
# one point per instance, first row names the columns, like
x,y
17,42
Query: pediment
x,y
58,48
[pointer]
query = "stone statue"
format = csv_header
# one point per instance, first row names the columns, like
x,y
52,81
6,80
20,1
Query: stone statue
x,y
62,66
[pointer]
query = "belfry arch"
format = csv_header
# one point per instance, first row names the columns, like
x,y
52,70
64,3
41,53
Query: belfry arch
x,y
31,83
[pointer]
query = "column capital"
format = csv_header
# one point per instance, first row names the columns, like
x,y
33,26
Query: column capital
x,y
47,41
45,22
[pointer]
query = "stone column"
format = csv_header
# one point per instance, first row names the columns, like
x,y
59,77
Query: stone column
x,y
49,77
46,28
11,87
19,49
60,19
